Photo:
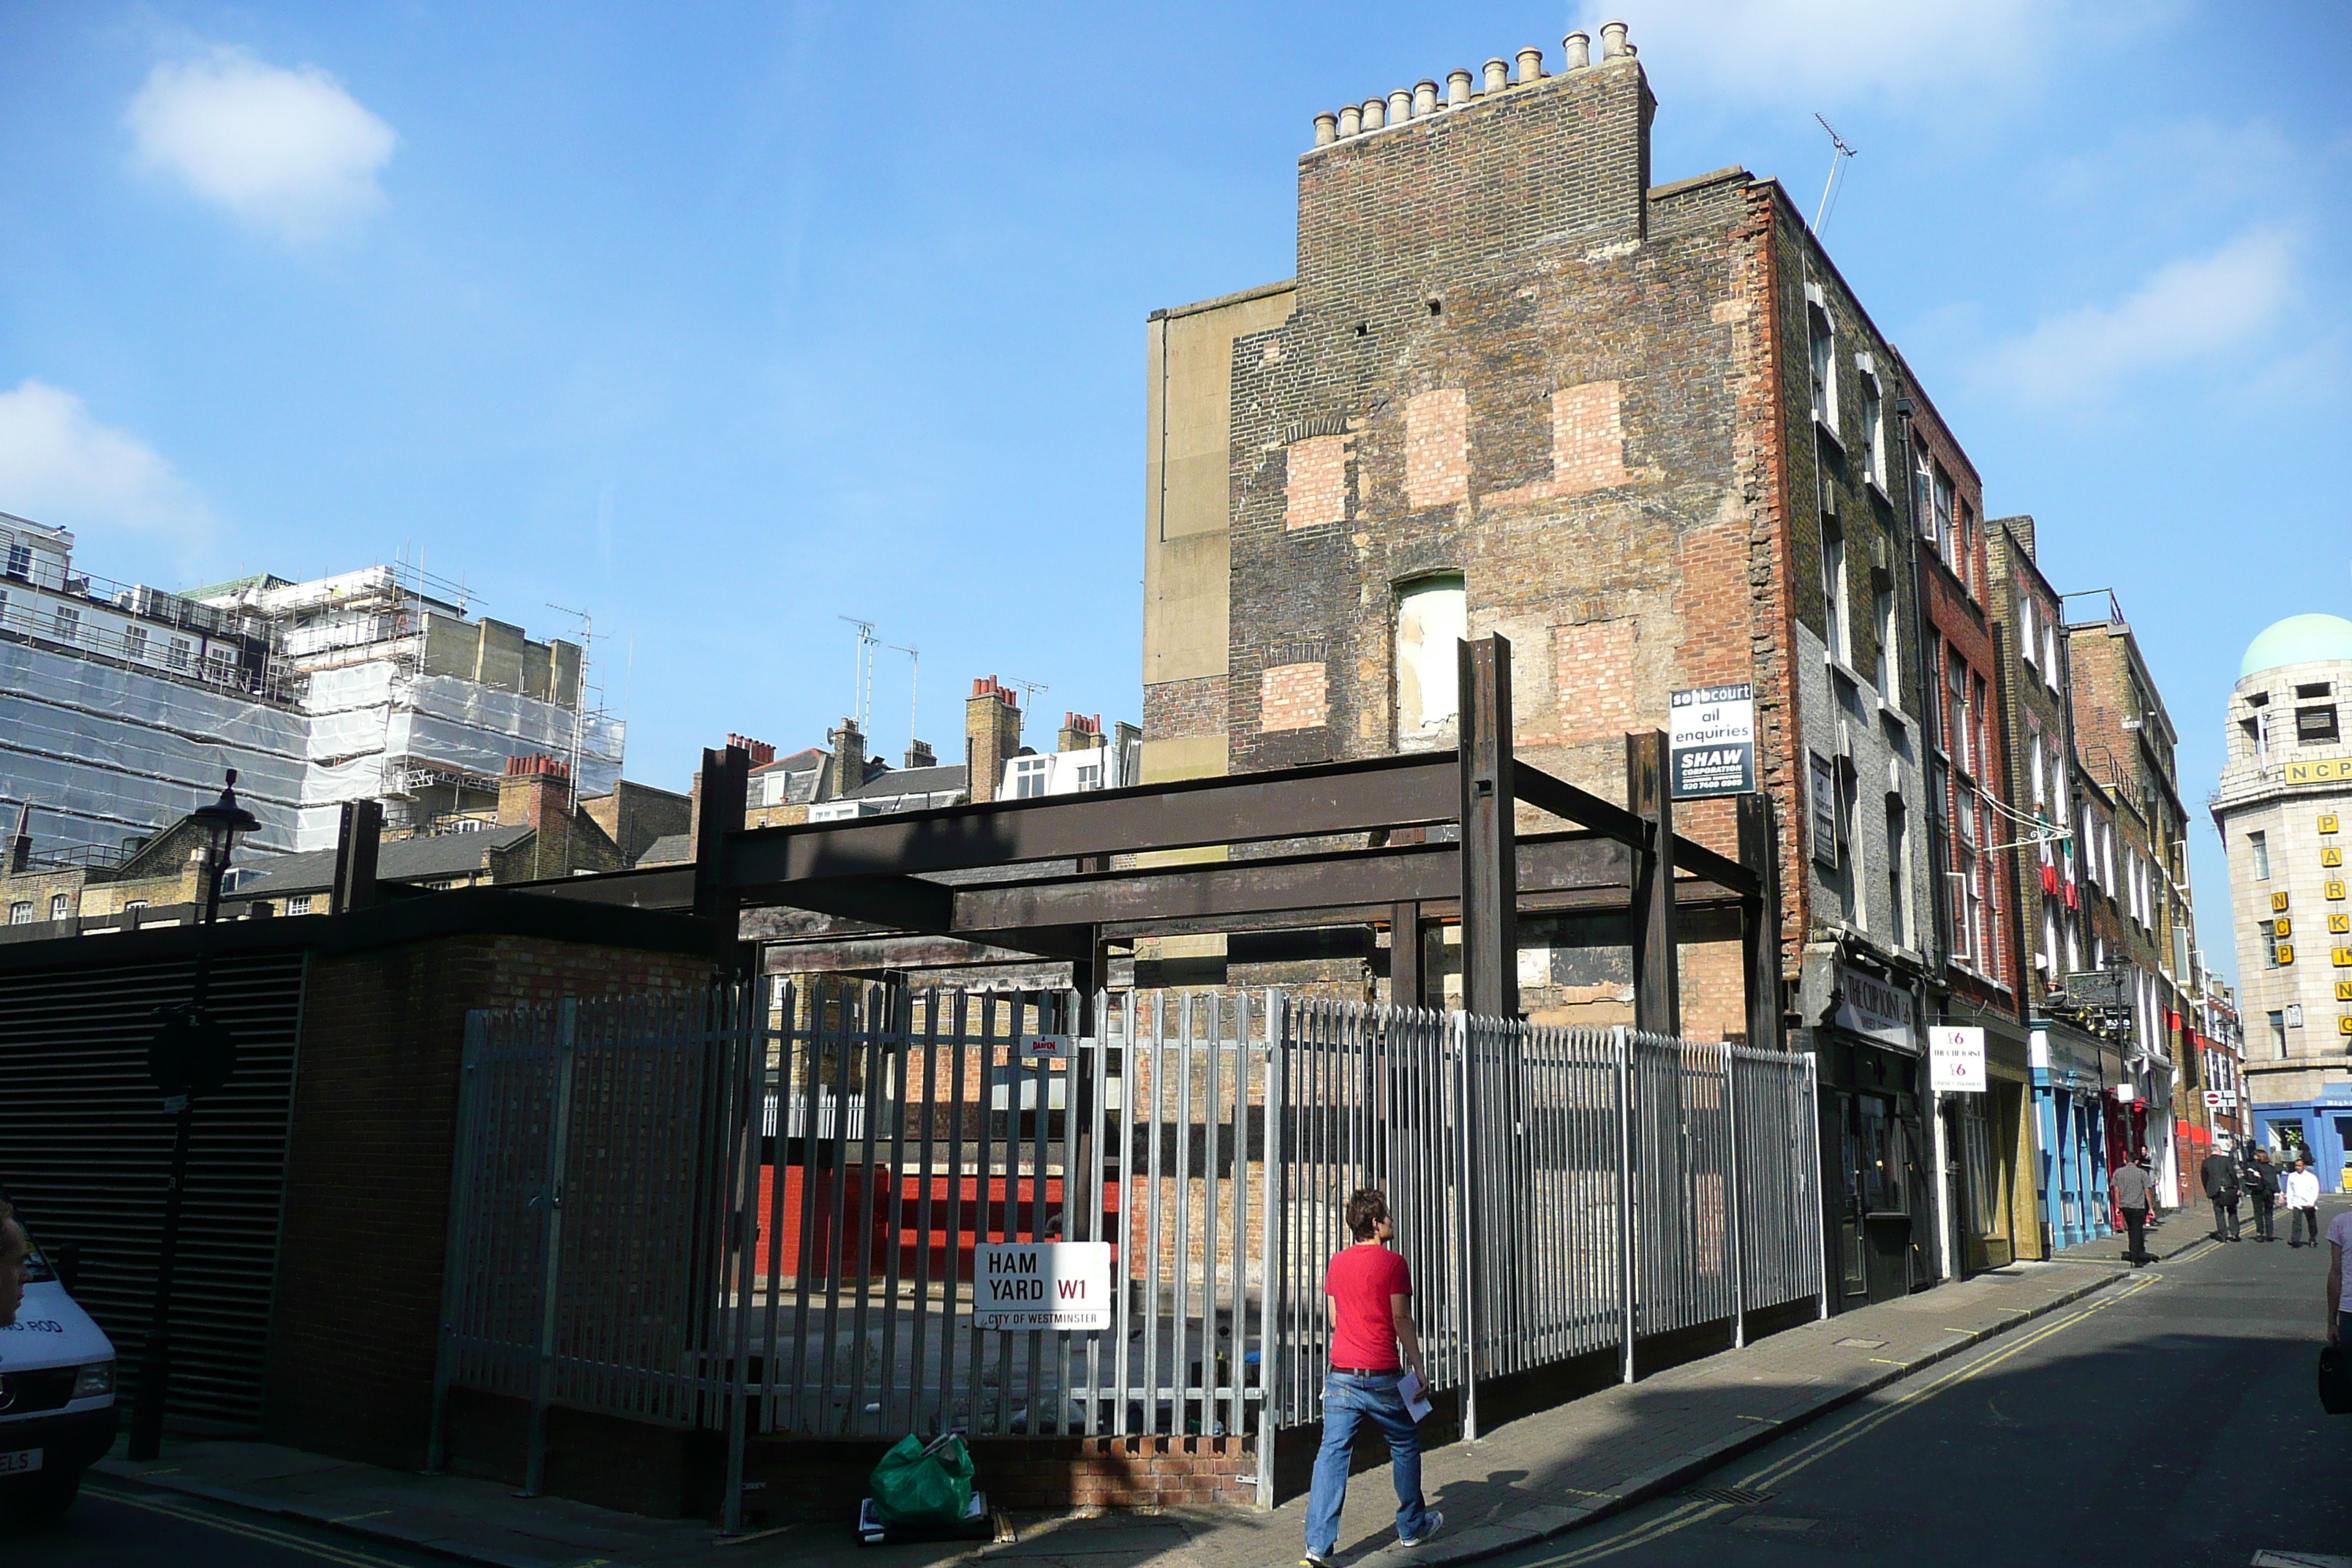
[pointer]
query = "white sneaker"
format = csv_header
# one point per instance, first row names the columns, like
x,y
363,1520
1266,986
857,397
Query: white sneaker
x,y
1437,1522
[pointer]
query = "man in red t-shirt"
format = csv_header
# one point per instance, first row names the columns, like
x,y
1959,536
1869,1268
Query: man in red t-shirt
x,y
1371,1290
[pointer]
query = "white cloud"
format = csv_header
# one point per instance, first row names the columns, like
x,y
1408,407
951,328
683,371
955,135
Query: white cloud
x,y
289,150
59,465
2198,310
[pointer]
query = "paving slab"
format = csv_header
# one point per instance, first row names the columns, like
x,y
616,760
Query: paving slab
x,y
1529,1480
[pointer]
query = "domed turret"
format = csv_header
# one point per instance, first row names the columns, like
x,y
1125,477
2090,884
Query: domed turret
x,y
2298,639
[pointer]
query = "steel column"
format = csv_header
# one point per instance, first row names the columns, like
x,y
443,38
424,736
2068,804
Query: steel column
x,y
1657,988
1490,901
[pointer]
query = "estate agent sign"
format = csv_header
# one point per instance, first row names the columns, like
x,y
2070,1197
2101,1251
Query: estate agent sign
x,y
1711,741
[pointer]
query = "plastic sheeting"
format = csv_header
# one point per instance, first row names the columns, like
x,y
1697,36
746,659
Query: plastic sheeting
x,y
110,752
106,752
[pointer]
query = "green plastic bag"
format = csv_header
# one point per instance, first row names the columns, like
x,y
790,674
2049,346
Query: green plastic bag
x,y
924,1483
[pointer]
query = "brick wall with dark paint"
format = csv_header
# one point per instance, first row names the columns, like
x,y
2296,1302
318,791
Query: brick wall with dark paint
x,y
368,1166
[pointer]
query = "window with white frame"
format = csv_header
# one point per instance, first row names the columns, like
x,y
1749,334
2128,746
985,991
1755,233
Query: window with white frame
x,y
2026,633
1824,367
1889,664
1833,595
1923,505
176,654
2050,676
20,913
20,561
2258,845
1955,688
60,906
1030,776
134,642
66,625
1945,496
1898,858
1822,814
299,904
1873,446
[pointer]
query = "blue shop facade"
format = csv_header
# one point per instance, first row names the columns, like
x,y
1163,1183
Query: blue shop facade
x,y
2077,1119
2322,1126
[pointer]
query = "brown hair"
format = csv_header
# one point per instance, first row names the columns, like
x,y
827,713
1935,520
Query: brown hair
x,y
13,1242
1365,1211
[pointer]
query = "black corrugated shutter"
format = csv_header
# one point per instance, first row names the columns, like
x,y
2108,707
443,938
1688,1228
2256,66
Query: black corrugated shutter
x,y
86,1147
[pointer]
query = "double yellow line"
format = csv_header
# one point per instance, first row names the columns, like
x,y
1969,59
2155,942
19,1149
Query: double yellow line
x,y
1698,1511
173,1509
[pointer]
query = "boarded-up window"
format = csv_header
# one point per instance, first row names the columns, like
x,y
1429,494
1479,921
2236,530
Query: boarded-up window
x,y
1432,618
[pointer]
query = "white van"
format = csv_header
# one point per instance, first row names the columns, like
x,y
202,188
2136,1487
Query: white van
x,y
57,1398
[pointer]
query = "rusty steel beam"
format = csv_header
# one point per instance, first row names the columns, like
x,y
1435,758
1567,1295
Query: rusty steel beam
x,y
1299,803
1657,980
1489,857
1562,799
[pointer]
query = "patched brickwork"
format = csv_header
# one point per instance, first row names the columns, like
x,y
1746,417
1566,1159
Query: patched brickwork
x,y
1587,447
1597,689
1195,707
1437,447
1292,697
1316,489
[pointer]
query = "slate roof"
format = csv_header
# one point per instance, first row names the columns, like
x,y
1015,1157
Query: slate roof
x,y
670,849
400,860
909,781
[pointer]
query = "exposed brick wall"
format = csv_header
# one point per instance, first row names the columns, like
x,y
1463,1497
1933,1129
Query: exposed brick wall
x,y
368,1168
1595,697
1195,707
1437,447
1292,697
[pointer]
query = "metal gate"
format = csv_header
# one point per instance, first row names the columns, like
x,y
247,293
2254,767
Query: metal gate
x,y
761,1211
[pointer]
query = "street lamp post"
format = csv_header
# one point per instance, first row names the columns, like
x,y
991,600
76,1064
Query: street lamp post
x,y
192,1054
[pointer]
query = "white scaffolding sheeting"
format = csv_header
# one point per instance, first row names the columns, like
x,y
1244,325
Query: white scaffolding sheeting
x,y
108,753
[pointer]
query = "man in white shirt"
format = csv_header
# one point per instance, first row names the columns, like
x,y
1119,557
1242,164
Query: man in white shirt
x,y
2302,1202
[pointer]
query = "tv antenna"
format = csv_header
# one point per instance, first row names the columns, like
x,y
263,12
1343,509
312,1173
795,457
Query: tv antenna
x,y
861,687
1029,689
1838,157
914,689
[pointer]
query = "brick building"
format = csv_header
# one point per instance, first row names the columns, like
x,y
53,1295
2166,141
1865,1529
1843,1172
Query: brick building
x,y
2073,1057
1644,432
1970,931
2140,919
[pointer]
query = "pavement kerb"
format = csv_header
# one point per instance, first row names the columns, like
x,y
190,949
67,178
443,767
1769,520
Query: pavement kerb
x,y
1491,1538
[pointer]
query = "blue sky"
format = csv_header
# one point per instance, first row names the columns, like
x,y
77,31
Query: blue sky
x,y
724,321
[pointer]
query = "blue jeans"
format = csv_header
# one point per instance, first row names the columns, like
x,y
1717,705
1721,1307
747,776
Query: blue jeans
x,y
1348,1402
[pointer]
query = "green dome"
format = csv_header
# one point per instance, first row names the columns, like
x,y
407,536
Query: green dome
x,y
2298,639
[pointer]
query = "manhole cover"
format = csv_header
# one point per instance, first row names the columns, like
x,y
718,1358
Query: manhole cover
x,y
1865,1344
1738,1496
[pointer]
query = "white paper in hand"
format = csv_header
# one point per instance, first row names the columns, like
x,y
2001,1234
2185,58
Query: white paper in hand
x,y
1415,1395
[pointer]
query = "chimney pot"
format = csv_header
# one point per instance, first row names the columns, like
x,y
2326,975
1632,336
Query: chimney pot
x,y
1424,98
1498,74
1327,130
1376,110
1613,41
1530,64
1351,121
1580,51
1400,106
1457,89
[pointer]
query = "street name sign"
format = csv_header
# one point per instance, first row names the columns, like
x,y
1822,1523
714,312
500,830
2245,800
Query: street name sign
x,y
1956,1060
1043,1284
1711,741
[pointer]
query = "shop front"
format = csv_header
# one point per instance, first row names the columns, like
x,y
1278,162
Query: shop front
x,y
2071,1071
1875,1140
2319,1129
1997,1217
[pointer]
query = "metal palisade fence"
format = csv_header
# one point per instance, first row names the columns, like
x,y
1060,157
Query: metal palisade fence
x,y
764,1210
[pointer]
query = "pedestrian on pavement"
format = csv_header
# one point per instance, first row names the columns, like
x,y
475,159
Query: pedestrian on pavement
x,y
2261,1181
1370,1290
2302,1202
2219,1174
2135,1194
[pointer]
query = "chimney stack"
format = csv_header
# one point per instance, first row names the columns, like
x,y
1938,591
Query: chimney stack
x,y
992,736
759,752
1080,734
848,744
921,755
